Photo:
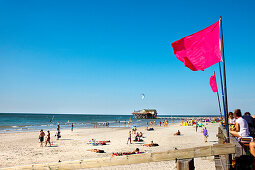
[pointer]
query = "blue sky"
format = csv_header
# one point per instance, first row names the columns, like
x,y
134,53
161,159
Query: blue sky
x,y
100,56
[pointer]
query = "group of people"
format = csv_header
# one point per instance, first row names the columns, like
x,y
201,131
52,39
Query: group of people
x,y
241,126
42,135
138,137
41,138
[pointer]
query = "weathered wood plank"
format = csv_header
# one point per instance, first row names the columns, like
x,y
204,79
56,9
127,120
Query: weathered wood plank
x,y
239,149
217,149
185,164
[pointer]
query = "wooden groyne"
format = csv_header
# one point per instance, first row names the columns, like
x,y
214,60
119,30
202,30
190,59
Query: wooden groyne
x,y
181,154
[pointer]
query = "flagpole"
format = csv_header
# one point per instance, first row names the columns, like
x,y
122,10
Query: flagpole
x,y
218,99
224,79
225,91
222,92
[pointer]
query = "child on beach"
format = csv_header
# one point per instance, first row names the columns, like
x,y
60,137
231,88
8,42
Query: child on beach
x,y
205,133
129,137
48,139
41,137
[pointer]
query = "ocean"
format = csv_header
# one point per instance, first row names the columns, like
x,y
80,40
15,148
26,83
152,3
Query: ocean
x,y
21,122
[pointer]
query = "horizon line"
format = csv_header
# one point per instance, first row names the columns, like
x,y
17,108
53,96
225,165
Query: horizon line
x,y
101,113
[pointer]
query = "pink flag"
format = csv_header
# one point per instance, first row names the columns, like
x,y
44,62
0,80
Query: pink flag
x,y
213,83
199,50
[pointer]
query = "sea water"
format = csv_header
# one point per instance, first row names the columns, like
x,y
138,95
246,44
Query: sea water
x,y
20,122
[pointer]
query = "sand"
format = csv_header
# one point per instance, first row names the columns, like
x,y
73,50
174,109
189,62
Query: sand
x,y
23,148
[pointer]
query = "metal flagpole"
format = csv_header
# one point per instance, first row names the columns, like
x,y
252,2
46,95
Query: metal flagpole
x,y
222,92
218,99
225,92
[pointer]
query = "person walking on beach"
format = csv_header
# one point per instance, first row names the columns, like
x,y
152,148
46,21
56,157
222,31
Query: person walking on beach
x,y
72,127
48,139
129,137
58,132
160,123
41,137
196,127
205,134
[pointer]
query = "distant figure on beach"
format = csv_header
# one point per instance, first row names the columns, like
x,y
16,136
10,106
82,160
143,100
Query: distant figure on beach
x,y
139,134
196,126
41,137
154,122
159,123
241,128
151,144
137,138
58,132
129,137
135,151
134,129
205,133
58,123
72,127
177,133
48,139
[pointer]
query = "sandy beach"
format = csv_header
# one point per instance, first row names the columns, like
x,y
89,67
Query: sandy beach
x,y
24,149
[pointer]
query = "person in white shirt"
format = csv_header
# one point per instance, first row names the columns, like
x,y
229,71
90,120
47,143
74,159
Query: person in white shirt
x,y
241,127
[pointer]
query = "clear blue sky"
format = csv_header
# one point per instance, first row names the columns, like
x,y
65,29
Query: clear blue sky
x,y
99,56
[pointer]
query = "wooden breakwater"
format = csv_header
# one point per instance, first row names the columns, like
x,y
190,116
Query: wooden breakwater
x,y
181,154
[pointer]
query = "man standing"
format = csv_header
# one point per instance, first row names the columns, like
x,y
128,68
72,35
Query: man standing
x,y
41,137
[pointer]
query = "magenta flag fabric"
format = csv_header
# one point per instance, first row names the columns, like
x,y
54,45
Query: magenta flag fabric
x,y
213,83
199,50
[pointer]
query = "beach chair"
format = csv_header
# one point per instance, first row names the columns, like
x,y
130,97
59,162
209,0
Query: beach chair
x,y
245,143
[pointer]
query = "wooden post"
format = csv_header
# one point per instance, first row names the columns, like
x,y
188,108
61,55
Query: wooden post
x,y
185,164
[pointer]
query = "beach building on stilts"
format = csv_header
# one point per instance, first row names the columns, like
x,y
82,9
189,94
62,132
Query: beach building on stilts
x,y
145,114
